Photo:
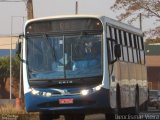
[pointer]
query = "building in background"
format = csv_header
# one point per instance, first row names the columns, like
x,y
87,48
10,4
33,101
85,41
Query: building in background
x,y
153,65
7,43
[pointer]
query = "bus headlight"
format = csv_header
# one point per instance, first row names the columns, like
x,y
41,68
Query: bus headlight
x,y
87,91
36,92
97,88
48,94
84,92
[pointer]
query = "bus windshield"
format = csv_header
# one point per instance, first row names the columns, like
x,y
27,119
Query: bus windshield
x,y
66,56
61,57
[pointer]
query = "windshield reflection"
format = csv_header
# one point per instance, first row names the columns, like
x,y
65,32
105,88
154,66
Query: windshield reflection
x,y
59,57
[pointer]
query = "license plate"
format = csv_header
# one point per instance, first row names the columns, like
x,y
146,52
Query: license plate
x,y
66,101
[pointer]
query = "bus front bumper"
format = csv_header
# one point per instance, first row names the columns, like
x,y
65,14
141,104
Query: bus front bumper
x,y
96,102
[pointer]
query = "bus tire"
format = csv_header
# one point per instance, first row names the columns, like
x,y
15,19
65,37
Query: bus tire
x,y
109,116
118,100
137,107
74,117
45,116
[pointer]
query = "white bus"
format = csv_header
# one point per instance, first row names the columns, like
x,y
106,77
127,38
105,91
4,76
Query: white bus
x,y
83,64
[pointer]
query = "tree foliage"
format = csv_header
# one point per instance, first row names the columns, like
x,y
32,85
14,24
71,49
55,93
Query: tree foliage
x,y
5,69
132,8
152,41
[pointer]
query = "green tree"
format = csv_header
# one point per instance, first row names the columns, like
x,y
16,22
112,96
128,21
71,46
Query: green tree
x,y
132,8
15,67
5,70
152,41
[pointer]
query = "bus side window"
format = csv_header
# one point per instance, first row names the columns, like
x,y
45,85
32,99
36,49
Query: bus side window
x,y
133,48
117,36
135,55
125,46
142,43
125,53
130,40
121,43
130,53
127,39
113,33
122,36
130,48
139,42
138,49
142,50
110,43
109,52
108,32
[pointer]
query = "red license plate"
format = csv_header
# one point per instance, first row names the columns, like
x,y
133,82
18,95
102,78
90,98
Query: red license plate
x,y
66,101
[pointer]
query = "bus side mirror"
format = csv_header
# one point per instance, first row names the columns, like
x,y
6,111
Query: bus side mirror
x,y
117,51
19,47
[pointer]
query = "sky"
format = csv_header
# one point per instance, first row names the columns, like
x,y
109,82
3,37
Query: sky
x,y
13,14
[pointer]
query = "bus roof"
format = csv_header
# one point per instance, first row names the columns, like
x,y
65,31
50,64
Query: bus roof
x,y
105,19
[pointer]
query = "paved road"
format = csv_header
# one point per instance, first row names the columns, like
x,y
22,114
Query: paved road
x,y
95,117
151,115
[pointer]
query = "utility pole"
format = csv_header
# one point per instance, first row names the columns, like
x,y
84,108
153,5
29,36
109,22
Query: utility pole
x,y
140,21
76,9
30,9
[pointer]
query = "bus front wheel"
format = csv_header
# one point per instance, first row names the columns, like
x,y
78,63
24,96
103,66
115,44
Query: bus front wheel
x,y
47,116
118,100
137,107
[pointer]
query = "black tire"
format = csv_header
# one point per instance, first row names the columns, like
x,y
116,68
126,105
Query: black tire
x,y
75,117
118,101
48,116
137,107
45,116
110,116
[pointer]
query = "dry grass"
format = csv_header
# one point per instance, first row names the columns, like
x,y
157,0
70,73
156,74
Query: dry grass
x,y
9,111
